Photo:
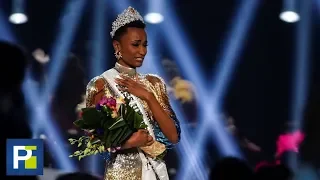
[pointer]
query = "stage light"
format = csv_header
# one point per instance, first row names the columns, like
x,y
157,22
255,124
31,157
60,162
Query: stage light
x,y
18,13
290,11
18,18
289,16
154,18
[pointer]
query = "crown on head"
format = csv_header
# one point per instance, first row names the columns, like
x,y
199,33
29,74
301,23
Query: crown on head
x,y
127,16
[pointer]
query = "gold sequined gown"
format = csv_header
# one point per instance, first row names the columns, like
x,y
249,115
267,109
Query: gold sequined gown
x,y
135,163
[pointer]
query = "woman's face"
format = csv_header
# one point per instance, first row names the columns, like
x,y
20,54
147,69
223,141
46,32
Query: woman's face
x,y
133,47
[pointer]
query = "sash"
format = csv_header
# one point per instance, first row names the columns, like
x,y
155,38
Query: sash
x,y
157,166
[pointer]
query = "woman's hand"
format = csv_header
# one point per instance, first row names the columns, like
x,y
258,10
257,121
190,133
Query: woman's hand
x,y
133,87
140,138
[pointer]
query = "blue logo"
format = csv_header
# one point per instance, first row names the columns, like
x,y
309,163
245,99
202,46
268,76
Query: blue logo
x,y
24,157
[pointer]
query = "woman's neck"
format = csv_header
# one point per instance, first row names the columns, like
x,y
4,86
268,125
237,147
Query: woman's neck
x,y
123,69
122,62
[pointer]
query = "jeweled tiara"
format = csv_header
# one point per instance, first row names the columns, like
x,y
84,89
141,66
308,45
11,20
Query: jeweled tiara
x,y
127,16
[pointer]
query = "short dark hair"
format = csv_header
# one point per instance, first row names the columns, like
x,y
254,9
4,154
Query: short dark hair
x,y
121,31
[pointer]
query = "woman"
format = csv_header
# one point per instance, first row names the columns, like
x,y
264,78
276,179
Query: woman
x,y
137,158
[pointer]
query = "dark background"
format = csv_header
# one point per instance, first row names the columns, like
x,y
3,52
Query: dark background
x,y
259,95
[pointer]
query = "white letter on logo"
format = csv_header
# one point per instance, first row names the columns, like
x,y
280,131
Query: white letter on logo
x,y
17,158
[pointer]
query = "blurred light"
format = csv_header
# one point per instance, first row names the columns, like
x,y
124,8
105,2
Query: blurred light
x,y
172,171
68,25
18,18
5,29
40,56
42,136
289,16
72,131
153,18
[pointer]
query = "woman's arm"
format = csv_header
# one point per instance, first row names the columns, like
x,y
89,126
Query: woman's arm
x,y
95,91
161,110
166,124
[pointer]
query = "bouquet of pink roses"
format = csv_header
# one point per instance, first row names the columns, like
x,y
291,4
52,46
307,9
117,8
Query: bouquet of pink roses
x,y
107,126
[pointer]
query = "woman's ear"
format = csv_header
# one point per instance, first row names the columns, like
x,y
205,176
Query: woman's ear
x,y
116,46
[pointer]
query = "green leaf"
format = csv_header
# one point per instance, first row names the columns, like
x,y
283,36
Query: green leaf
x,y
117,124
125,132
134,119
127,116
86,151
105,139
126,136
79,144
96,152
130,111
138,120
91,117
106,120
95,140
108,139
122,110
77,152
106,126
89,144
106,142
80,123
101,149
115,134
106,110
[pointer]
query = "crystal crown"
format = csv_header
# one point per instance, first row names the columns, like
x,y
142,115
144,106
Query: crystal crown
x,y
127,16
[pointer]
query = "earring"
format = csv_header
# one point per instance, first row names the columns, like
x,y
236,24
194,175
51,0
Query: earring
x,y
118,55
